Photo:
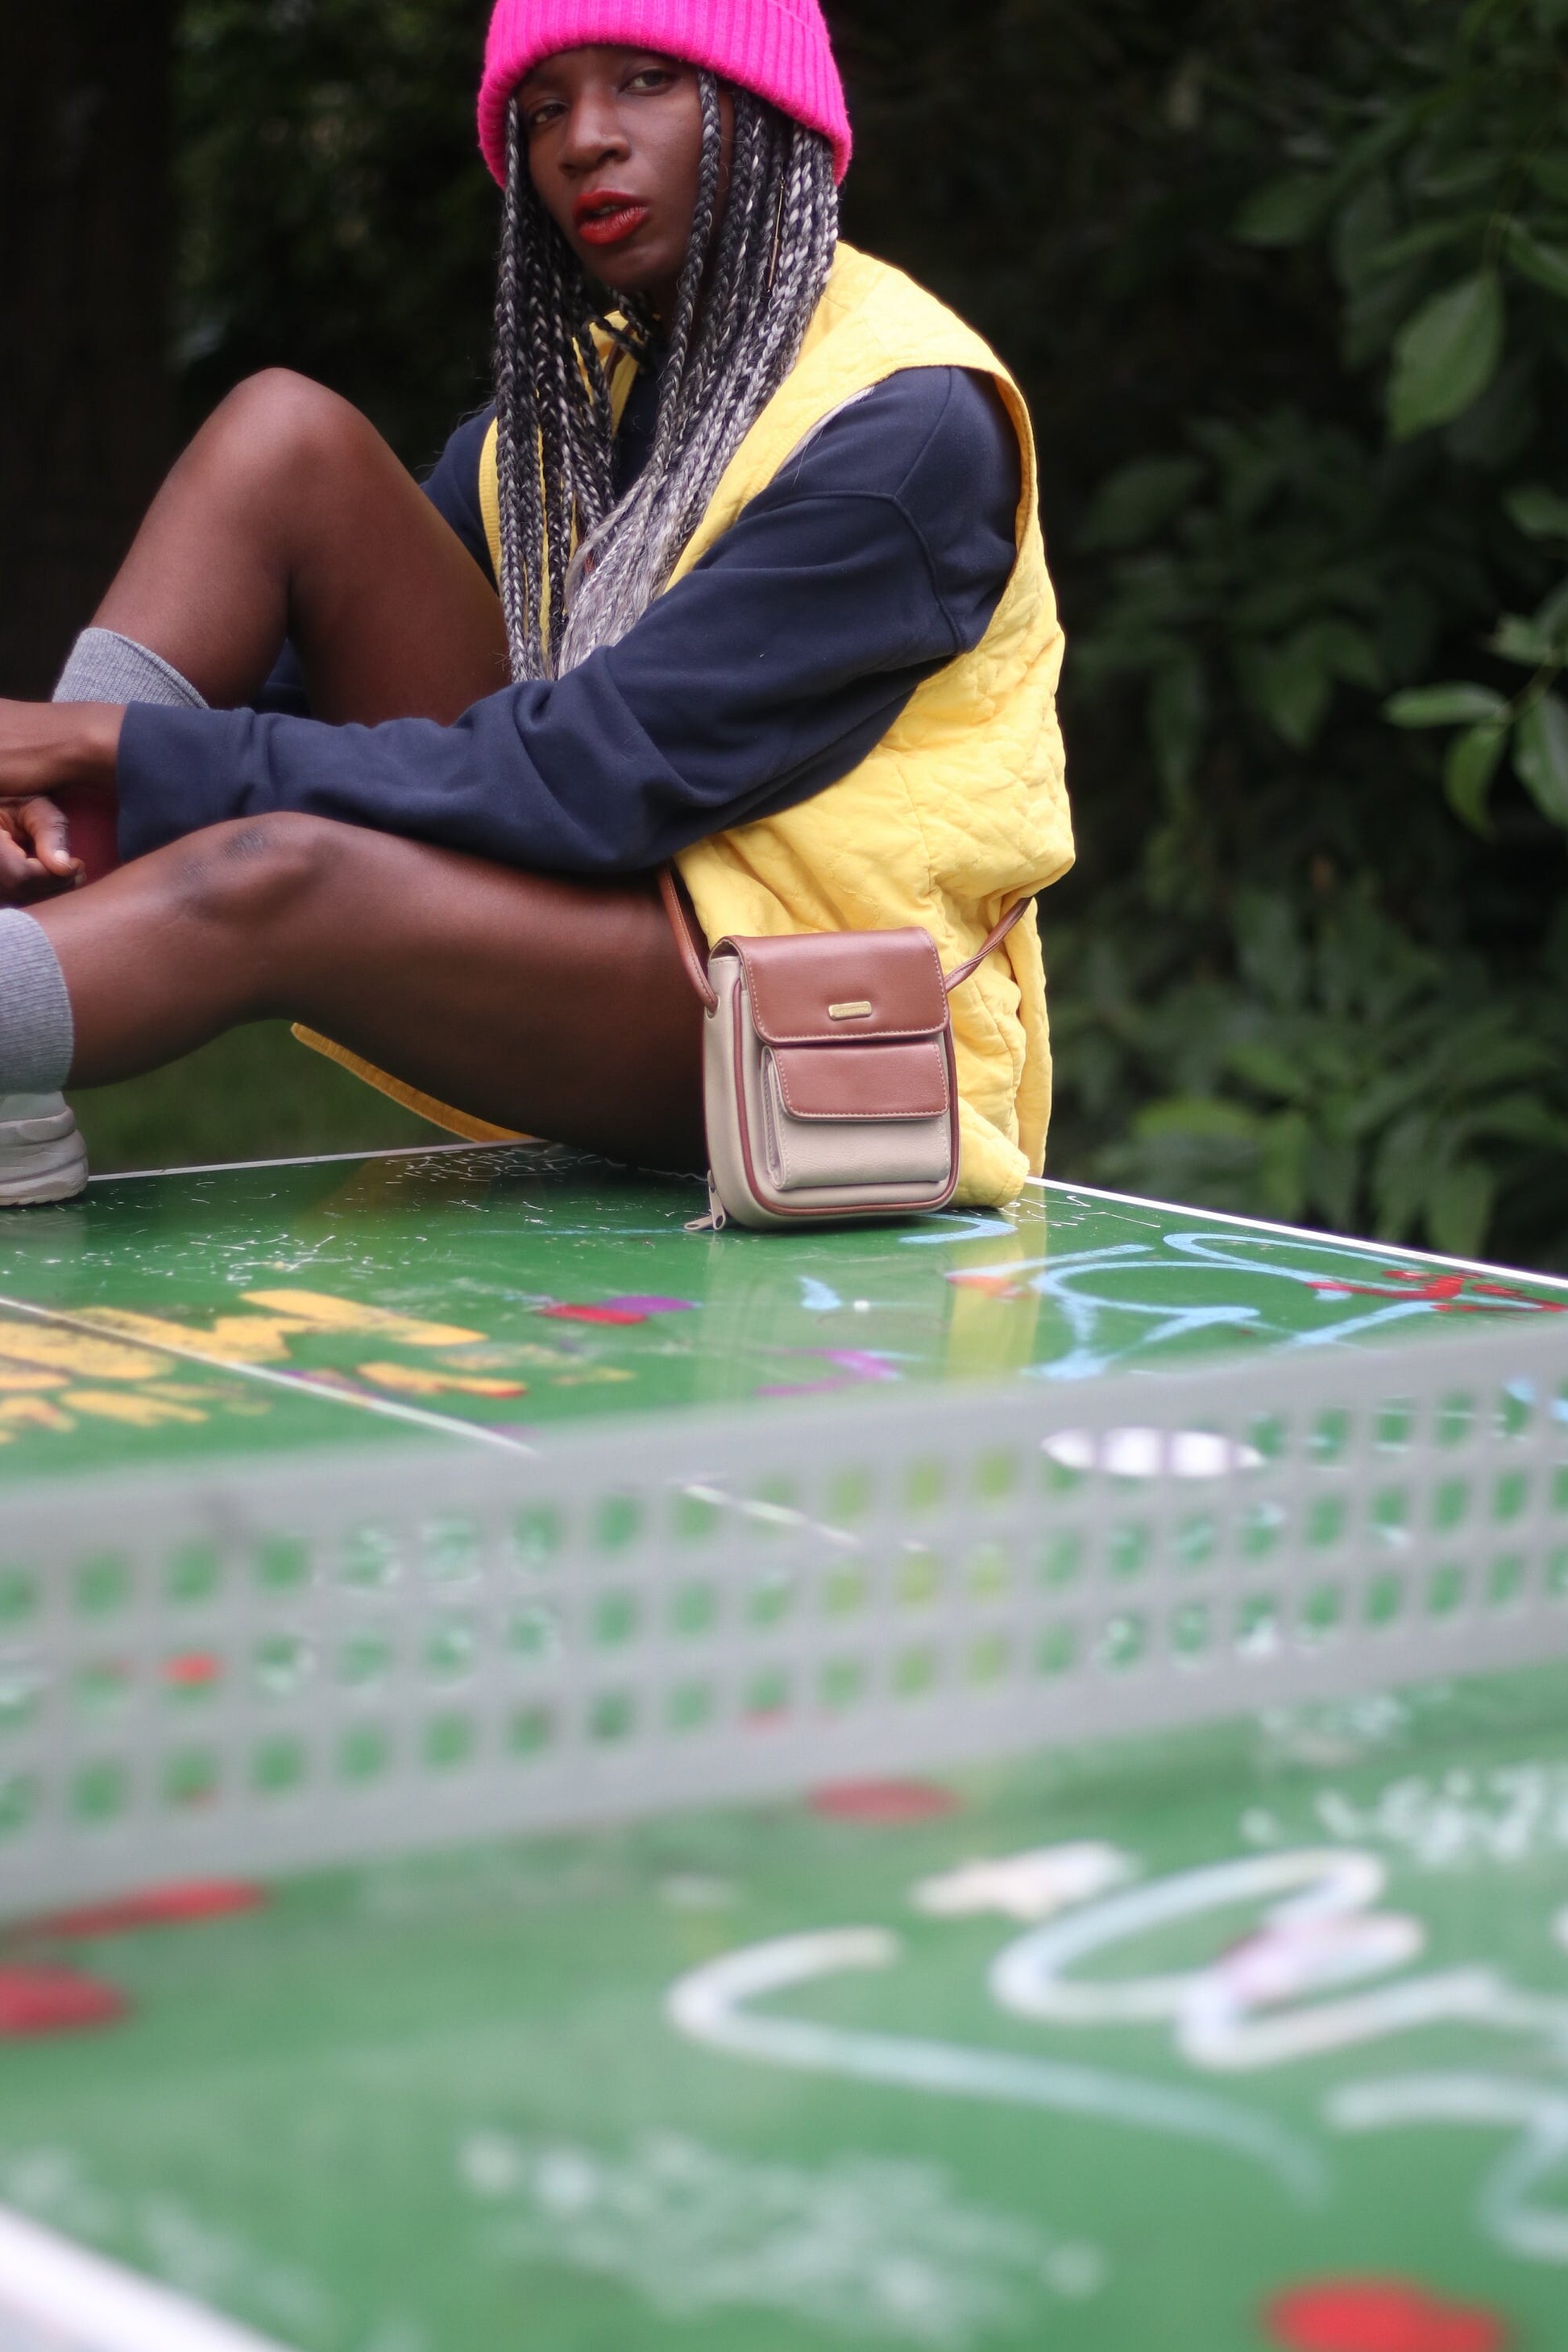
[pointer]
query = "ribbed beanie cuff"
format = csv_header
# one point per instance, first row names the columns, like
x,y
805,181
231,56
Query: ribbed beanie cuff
x,y
778,48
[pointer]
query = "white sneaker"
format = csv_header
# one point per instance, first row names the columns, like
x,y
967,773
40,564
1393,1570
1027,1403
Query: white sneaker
x,y
42,1156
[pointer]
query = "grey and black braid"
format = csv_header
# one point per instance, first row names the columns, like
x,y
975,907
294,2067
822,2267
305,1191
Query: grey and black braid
x,y
748,290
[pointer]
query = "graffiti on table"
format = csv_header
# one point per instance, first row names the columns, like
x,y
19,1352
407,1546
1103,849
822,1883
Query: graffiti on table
x,y
871,2248
1324,1972
108,1364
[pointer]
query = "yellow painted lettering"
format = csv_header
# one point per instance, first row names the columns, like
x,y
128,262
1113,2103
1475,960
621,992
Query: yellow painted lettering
x,y
428,1380
137,1411
33,1412
76,1352
317,1311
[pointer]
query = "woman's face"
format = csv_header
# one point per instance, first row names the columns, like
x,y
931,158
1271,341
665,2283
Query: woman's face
x,y
613,141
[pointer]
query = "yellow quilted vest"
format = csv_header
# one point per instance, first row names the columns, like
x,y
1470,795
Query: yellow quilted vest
x,y
961,807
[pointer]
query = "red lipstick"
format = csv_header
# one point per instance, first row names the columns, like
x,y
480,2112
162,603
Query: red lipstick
x,y
605,216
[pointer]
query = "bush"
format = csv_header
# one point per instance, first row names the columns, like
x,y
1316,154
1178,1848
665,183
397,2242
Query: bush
x,y
1329,980
1287,286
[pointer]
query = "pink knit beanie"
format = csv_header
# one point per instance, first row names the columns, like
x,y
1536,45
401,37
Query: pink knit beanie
x,y
777,49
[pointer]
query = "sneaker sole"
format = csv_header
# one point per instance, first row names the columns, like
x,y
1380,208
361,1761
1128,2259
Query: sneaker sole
x,y
47,1172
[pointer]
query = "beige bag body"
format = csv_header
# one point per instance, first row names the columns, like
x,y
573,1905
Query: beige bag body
x,y
830,1084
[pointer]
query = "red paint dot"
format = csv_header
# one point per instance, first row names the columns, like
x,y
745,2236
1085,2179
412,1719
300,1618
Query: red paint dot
x,y
181,1906
1378,2315
615,1315
193,1669
36,2000
885,1803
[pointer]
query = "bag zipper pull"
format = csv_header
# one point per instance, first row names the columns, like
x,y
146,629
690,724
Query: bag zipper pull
x,y
718,1216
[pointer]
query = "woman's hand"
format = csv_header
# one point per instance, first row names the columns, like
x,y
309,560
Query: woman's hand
x,y
44,745
34,850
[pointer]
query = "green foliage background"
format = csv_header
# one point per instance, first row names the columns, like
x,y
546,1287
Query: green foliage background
x,y
1287,288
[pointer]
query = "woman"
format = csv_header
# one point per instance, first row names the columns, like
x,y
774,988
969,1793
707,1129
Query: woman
x,y
743,571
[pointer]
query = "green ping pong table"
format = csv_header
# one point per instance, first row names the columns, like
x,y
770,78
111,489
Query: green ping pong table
x,y
566,1784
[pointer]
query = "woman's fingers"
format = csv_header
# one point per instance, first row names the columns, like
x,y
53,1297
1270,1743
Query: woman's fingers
x,y
34,850
45,827
14,863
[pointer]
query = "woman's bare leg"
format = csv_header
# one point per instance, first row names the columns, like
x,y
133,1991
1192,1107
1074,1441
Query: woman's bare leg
x,y
288,516
557,1008
554,1007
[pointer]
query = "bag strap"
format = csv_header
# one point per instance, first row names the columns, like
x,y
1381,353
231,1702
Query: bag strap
x,y
683,923
1014,915
693,953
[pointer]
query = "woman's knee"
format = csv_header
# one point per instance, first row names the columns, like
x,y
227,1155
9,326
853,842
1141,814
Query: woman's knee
x,y
253,876
279,428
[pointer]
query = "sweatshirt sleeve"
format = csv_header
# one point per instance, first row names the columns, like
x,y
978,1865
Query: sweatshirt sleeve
x,y
878,553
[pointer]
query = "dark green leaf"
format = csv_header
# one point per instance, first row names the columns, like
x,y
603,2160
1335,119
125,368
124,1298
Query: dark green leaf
x,y
1445,705
1541,756
1473,760
1459,1208
1549,172
1447,355
1178,704
1197,1114
1287,1140
1517,640
1546,264
1287,212
1364,229
1551,617
1539,513
1290,686
1418,242
1270,1069
1349,653
1139,500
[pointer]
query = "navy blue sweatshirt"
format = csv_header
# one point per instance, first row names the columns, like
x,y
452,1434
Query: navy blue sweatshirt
x,y
877,553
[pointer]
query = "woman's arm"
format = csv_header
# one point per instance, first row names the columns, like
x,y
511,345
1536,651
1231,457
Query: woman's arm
x,y
880,553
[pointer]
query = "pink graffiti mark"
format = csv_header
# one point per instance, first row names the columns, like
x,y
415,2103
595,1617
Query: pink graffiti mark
x,y
632,1310
863,1363
860,1363
1003,1284
1447,1294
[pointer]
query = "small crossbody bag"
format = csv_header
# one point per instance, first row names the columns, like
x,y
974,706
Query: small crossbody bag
x,y
829,1085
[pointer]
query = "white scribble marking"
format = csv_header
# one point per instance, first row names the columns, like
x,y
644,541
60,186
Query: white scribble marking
x,y
710,2006
1032,1885
1325,1936
1458,1819
869,2247
1539,2113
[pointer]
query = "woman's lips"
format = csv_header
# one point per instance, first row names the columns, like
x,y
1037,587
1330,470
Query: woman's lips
x,y
610,219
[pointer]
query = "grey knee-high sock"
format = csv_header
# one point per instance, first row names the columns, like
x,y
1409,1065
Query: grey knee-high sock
x,y
104,666
37,1035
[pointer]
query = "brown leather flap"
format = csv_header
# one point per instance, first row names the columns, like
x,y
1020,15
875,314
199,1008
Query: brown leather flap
x,y
906,1081
838,986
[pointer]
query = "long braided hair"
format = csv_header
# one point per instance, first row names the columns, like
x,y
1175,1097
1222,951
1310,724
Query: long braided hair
x,y
749,285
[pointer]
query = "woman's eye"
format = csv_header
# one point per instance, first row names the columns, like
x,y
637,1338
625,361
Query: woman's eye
x,y
652,78
548,111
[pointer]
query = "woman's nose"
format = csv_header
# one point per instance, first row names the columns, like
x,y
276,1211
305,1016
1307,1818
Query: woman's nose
x,y
594,135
